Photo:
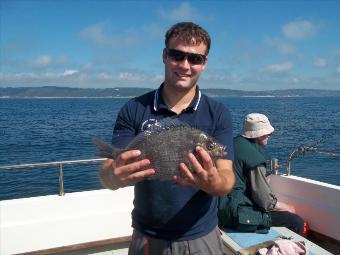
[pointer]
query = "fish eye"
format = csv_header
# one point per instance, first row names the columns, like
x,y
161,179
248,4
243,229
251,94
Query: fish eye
x,y
210,146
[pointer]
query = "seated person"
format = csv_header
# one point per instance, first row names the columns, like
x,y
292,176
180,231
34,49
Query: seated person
x,y
252,206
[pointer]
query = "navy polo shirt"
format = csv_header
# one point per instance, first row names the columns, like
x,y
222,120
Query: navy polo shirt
x,y
164,209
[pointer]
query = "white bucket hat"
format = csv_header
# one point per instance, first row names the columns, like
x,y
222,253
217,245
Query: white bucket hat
x,y
256,125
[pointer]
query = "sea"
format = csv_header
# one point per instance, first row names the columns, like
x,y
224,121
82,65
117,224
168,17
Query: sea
x,y
38,130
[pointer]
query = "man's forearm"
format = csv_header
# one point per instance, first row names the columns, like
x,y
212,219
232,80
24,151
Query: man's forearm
x,y
106,176
227,178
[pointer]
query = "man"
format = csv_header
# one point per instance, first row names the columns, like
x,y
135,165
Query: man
x,y
179,216
252,205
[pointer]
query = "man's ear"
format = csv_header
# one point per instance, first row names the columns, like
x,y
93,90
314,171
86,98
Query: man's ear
x,y
164,56
205,64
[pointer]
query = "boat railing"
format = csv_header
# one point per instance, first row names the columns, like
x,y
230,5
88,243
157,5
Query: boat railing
x,y
302,150
60,164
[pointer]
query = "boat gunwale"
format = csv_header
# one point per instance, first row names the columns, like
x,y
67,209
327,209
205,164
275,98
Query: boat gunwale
x,y
81,246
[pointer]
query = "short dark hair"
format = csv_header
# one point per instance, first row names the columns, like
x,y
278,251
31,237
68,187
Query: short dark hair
x,y
187,31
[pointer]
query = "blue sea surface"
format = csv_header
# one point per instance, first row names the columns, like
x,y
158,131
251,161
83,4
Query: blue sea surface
x,y
46,130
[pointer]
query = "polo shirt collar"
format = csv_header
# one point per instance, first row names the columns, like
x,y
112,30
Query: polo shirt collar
x,y
158,102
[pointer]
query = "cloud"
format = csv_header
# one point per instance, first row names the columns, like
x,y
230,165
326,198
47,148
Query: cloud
x,y
336,52
23,75
338,70
55,75
41,61
126,76
283,47
277,68
69,72
320,62
157,79
154,30
184,12
102,35
88,66
105,76
217,79
299,29
61,60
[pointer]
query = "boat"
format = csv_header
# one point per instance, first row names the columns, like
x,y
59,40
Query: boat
x,y
99,221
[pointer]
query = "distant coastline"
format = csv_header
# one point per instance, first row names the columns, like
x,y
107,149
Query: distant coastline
x,y
120,92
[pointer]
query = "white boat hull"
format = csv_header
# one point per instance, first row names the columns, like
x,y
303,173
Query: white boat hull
x,y
40,223
316,202
52,222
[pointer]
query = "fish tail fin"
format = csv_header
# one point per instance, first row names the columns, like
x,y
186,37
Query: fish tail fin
x,y
105,150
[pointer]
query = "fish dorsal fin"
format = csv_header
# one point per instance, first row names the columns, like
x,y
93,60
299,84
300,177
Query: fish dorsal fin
x,y
164,124
154,128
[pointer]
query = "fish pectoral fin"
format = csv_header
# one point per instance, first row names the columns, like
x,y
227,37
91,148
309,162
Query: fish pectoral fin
x,y
104,154
105,150
102,145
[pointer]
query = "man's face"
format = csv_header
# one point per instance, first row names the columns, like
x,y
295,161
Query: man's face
x,y
183,75
263,140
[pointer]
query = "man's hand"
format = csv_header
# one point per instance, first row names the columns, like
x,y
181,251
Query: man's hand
x,y
119,173
214,179
281,206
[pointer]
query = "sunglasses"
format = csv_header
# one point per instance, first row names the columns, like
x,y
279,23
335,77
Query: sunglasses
x,y
193,58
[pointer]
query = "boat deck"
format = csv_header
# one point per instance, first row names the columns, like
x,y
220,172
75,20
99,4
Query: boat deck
x,y
235,242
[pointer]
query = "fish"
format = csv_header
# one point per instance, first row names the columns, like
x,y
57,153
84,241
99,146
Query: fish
x,y
166,143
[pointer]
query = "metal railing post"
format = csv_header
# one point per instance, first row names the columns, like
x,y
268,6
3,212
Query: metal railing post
x,y
61,180
289,160
303,150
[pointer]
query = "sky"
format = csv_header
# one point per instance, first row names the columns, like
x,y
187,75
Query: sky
x,y
256,45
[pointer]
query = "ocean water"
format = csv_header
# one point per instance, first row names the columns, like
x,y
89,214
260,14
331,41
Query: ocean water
x,y
46,130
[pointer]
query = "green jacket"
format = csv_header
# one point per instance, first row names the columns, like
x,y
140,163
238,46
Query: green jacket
x,y
236,210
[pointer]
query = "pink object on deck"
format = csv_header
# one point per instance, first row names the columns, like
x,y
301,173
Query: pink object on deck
x,y
285,247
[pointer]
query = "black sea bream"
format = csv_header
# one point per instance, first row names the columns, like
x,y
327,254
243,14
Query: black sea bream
x,y
166,144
